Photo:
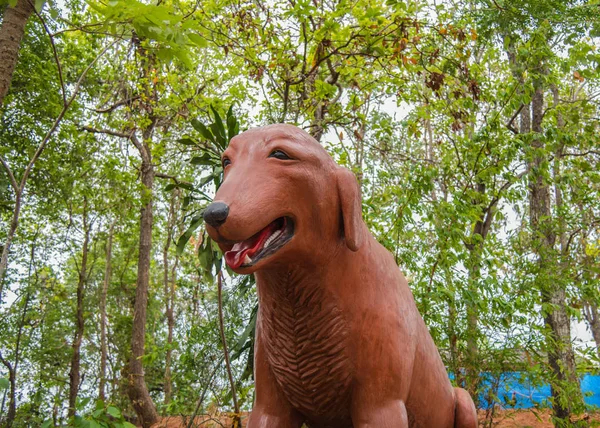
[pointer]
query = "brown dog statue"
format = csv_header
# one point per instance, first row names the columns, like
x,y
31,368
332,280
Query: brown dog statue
x,y
339,340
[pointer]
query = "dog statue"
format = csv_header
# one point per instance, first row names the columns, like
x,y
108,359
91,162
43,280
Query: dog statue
x,y
339,340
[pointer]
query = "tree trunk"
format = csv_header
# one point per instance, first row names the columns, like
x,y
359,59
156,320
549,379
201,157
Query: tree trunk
x,y
453,336
103,294
75,372
11,33
592,316
472,365
589,299
565,388
475,246
12,406
170,326
169,285
12,368
14,223
138,391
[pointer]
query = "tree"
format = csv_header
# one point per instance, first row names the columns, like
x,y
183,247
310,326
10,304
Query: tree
x,y
14,20
491,211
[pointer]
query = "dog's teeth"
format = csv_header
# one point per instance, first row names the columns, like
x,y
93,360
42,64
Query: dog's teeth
x,y
247,260
272,237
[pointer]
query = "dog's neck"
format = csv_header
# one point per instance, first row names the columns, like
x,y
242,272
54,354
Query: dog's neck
x,y
272,282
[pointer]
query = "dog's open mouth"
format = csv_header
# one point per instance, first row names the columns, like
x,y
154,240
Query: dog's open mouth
x,y
262,244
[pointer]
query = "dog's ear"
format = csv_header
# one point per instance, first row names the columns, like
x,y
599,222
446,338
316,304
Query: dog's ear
x,y
351,208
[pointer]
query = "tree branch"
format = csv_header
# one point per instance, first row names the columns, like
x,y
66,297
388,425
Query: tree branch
x,y
11,177
509,125
589,152
6,363
58,120
236,407
107,132
144,153
51,37
171,177
117,105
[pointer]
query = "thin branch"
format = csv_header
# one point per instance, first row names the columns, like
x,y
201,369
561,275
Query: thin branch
x,y
56,59
117,105
225,351
509,125
571,236
497,5
144,152
503,188
11,177
171,177
6,363
58,120
187,15
83,29
107,132
592,152
204,391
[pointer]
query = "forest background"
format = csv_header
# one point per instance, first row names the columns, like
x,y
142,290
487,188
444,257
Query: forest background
x,y
472,126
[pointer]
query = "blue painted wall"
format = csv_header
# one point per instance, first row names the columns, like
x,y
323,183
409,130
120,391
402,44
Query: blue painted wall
x,y
517,394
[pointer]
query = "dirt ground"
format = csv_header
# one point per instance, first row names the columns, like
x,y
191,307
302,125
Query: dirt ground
x,y
502,419
528,418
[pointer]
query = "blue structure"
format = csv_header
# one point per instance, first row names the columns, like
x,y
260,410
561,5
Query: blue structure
x,y
513,392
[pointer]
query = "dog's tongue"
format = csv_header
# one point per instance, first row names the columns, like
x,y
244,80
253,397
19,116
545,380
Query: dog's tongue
x,y
235,257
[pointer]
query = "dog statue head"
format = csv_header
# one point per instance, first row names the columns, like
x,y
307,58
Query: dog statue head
x,y
283,200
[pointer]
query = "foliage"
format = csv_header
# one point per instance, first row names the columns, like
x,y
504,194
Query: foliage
x,y
427,102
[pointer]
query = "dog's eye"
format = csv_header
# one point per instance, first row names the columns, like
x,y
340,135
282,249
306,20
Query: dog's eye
x,y
226,162
278,154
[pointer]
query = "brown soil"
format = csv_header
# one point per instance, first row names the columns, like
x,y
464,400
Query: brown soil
x,y
213,420
532,418
502,419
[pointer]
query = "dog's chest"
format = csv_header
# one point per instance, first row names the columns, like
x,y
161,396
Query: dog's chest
x,y
306,336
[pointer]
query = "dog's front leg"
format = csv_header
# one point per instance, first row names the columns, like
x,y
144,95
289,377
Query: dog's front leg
x,y
391,414
271,408
260,419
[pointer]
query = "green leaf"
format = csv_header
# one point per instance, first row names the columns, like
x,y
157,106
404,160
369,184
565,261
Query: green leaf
x,y
39,4
4,383
187,141
232,124
218,129
47,423
114,412
185,237
248,331
205,159
203,130
206,180
186,186
197,39
12,3
219,137
218,261
83,402
206,256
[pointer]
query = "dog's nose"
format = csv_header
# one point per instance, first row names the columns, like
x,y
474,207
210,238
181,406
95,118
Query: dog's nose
x,y
216,214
